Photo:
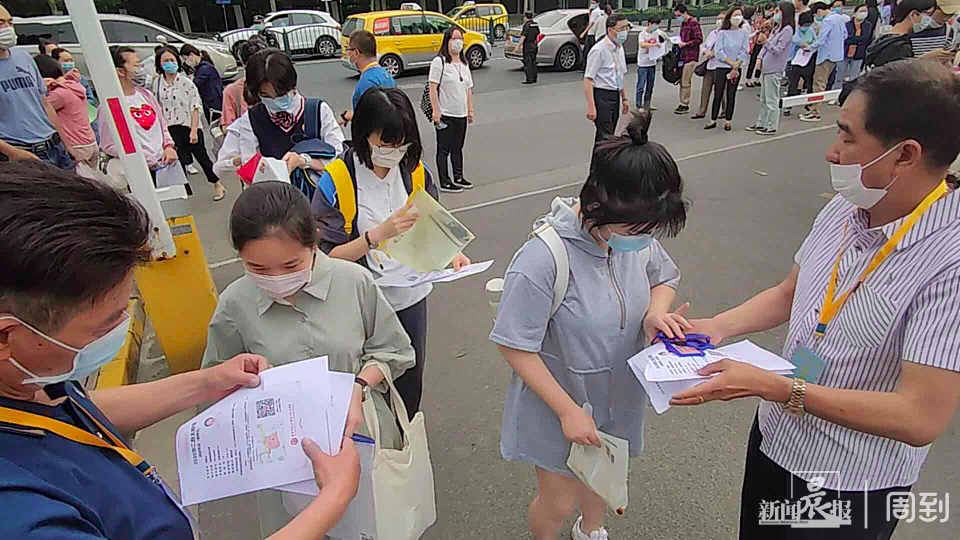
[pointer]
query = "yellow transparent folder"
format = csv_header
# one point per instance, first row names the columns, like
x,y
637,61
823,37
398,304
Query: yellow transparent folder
x,y
433,241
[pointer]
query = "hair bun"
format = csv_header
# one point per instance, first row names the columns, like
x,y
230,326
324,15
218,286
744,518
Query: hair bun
x,y
639,126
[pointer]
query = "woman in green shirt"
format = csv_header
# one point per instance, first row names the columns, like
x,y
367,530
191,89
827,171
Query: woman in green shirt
x,y
295,303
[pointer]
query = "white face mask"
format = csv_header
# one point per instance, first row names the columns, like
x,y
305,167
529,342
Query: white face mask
x,y
386,156
736,20
456,45
861,15
8,37
847,180
278,287
86,360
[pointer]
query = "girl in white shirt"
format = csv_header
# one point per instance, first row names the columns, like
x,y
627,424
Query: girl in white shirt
x,y
181,104
451,95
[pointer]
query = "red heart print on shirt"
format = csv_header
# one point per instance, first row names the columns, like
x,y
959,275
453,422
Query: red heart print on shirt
x,y
144,115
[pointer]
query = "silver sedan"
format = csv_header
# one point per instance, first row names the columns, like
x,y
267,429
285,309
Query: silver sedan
x,y
560,45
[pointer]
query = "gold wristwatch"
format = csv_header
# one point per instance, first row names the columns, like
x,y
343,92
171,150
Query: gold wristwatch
x,y
797,395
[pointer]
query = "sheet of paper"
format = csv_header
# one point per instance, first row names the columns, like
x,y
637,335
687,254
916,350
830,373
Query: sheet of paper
x,y
171,175
663,366
250,440
340,393
802,57
676,40
412,279
433,241
604,469
360,520
660,391
659,51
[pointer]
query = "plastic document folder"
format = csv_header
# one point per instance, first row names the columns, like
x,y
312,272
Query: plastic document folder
x,y
433,241
604,470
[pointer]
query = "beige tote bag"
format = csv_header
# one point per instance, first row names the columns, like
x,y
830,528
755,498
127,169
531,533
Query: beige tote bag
x,y
404,496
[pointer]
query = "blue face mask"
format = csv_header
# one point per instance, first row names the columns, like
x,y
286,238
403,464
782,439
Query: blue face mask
x,y
818,18
284,103
67,66
838,10
170,67
623,244
86,360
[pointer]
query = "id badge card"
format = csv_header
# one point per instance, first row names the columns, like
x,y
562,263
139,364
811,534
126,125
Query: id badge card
x,y
809,365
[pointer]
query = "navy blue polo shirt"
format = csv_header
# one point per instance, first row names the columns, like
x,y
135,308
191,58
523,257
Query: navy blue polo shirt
x,y
372,77
55,488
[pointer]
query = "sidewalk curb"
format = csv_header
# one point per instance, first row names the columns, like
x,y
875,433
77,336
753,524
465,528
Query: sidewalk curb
x,y
122,370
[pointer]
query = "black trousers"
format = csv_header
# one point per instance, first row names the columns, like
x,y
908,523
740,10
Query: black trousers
x,y
724,88
530,63
795,73
588,44
764,481
608,112
753,62
187,151
410,384
450,144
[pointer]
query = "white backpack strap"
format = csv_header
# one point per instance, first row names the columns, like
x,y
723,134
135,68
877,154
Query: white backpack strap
x,y
549,235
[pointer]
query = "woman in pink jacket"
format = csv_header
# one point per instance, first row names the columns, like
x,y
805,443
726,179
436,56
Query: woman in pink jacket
x,y
150,125
69,98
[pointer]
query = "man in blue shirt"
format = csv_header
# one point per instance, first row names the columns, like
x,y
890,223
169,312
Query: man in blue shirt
x,y
70,246
829,48
29,127
362,53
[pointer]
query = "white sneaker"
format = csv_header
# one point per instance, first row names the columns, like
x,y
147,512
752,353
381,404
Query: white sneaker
x,y
192,170
833,102
578,534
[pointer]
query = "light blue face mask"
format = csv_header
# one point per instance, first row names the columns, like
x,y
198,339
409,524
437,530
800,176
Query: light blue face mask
x,y
170,67
622,36
282,103
624,244
67,66
86,360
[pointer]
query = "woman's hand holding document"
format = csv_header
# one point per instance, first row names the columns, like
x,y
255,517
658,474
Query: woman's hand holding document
x,y
434,240
603,469
664,374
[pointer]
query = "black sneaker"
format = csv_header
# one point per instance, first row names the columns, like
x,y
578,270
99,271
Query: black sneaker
x,y
463,183
450,187
681,109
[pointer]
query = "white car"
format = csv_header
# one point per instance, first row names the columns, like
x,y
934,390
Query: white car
x,y
140,34
298,31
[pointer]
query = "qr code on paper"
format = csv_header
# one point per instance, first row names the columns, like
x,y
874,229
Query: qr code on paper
x,y
266,407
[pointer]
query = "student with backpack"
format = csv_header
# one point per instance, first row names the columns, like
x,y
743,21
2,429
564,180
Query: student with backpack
x,y
361,202
569,345
280,123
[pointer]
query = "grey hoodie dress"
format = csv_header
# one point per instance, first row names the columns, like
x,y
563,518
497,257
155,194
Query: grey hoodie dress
x,y
586,345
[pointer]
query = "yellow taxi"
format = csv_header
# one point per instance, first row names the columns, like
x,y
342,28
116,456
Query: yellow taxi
x,y
479,17
408,39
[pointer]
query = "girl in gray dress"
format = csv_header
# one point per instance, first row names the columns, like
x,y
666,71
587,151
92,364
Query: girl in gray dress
x,y
622,284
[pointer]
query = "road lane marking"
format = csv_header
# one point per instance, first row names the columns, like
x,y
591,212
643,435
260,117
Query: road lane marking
x,y
514,197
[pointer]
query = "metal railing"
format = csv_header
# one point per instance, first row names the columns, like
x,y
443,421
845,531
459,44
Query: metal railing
x,y
310,40
298,42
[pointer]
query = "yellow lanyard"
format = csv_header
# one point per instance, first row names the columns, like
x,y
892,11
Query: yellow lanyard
x,y
67,431
831,305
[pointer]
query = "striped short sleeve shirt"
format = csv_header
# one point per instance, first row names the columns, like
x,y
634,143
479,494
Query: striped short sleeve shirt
x,y
908,309
928,40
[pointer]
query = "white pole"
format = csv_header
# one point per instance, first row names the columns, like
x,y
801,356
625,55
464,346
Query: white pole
x,y
86,23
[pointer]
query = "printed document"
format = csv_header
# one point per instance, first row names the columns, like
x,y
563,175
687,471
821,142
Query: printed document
x,y
672,374
250,440
433,241
412,279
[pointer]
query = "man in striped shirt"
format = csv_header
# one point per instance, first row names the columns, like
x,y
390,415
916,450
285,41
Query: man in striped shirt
x,y
873,303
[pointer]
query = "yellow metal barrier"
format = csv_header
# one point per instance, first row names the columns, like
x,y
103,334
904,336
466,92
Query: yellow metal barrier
x,y
179,296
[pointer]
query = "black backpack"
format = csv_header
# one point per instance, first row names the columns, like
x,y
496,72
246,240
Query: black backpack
x,y
672,66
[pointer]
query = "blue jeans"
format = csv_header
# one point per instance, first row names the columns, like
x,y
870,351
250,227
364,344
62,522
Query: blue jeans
x,y
847,69
645,79
58,156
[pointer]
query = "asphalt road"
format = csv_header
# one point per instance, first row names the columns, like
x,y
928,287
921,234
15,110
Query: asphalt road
x,y
753,200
